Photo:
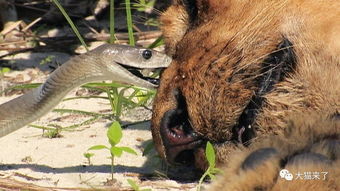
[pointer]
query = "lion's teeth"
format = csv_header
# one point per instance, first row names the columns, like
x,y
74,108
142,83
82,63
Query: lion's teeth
x,y
180,128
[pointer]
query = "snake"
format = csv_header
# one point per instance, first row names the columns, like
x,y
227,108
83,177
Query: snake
x,y
119,63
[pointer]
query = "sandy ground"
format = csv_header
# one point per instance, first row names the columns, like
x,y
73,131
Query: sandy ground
x,y
27,156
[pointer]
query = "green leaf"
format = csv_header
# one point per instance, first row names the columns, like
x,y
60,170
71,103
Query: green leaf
x,y
88,155
216,170
114,133
128,150
212,176
149,146
98,147
210,154
116,151
133,184
5,69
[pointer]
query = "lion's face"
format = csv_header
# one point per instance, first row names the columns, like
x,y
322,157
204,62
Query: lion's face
x,y
223,62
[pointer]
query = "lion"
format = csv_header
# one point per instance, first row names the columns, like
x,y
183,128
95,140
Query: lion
x,y
260,81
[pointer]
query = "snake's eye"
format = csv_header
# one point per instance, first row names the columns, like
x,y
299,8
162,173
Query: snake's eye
x,y
147,54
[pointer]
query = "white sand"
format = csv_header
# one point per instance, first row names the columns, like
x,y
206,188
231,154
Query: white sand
x,y
26,156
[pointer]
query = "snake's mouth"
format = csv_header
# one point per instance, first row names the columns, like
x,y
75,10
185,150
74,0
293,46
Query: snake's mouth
x,y
144,74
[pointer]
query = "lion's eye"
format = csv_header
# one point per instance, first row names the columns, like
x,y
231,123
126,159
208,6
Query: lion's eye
x,y
147,54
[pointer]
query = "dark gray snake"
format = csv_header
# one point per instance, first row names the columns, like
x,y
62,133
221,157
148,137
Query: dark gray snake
x,y
107,62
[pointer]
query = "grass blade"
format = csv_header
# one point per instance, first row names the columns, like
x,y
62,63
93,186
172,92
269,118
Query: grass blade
x,y
112,22
74,28
85,97
158,42
41,127
21,87
74,111
87,122
129,22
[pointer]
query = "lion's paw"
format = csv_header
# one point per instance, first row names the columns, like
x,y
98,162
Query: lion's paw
x,y
306,157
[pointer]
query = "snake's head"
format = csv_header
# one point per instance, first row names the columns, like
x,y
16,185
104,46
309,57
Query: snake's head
x,y
126,63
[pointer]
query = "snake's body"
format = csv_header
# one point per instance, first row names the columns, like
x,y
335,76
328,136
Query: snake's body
x,y
96,65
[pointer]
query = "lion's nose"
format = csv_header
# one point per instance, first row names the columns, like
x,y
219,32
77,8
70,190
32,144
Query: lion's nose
x,y
178,136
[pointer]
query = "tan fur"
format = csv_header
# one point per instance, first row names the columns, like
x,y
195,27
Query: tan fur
x,y
231,36
308,133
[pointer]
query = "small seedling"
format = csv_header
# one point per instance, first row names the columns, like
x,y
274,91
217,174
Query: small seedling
x,y
136,187
47,60
114,134
4,70
212,170
144,5
150,145
52,133
88,156
27,159
150,150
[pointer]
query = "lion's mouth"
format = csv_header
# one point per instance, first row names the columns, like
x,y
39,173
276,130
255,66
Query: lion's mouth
x,y
182,143
179,138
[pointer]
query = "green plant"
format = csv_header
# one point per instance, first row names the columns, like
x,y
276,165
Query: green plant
x,y
144,5
152,22
114,134
158,42
157,162
120,98
70,22
4,70
46,60
147,6
112,21
150,145
135,186
88,156
52,133
129,22
212,170
20,86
